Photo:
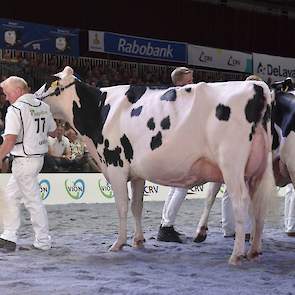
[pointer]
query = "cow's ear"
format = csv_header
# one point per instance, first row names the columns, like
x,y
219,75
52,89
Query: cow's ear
x,y
68,71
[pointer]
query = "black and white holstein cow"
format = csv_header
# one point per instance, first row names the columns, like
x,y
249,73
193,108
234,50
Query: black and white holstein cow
x,y
178,136
283,147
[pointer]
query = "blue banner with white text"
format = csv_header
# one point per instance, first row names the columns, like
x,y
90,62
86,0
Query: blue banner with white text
x,y
38,38
145,48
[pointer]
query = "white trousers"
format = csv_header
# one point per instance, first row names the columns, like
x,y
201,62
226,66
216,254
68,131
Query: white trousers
x,y
290,209
23,186
228,220
172,204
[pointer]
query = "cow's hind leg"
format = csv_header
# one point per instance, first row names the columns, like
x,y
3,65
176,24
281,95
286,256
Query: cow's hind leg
x,y
119,187
201,232
240,198
261,197
136,208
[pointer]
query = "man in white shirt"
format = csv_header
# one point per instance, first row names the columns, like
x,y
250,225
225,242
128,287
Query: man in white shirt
x,y
59,146
27,125
59,152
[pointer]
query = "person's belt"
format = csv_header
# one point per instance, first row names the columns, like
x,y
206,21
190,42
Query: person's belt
x,y
38,156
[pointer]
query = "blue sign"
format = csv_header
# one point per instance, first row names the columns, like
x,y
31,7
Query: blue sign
x,y
145,48
39,38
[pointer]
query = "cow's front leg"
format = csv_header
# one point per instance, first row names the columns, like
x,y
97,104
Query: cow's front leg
x,y
201,232
136,208
121,199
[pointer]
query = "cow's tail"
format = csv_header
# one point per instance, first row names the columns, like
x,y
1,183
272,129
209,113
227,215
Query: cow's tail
x,y
265,197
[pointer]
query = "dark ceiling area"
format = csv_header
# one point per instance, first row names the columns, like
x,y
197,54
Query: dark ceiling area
x,y
278,3
245,25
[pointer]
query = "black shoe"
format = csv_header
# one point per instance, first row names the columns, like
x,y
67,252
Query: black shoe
x,y
168,234
176,232
7,246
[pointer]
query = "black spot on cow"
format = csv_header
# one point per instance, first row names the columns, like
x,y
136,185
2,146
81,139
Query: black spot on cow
x,y
169,95
100,157
103,117
222,112
188,89
136,112
112,157
127,147
89,117
134,93
275,137
266,117
254,108
255,105
156,141
252,132
165,123
283,112
151,124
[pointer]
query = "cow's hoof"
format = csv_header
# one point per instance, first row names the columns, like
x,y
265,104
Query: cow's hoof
x,y
200,238
253,255
236,260
138,244
116,247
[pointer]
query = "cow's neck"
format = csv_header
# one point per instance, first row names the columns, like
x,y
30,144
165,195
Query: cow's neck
x,y
87,117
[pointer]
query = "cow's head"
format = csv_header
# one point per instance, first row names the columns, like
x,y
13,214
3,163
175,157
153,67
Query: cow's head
x,y
59,93
75,102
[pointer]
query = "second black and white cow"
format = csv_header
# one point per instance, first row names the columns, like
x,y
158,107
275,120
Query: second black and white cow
x,y
178,136
283,147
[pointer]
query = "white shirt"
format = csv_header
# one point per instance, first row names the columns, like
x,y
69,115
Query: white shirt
x,y
31,120
58,148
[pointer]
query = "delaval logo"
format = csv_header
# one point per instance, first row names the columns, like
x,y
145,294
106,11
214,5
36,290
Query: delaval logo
x,y
44,188
261,69
75,189
145,49
105,189
276,71
205,58
233,62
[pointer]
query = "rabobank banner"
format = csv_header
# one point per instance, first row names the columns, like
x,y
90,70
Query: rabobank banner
x,y
219,59
137,47
39,38
273,68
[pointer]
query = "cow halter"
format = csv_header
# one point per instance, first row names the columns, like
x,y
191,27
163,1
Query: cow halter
x,y
57,91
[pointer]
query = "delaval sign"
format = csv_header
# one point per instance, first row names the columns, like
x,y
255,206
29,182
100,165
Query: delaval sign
x,y
145,48
273,68
219,59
